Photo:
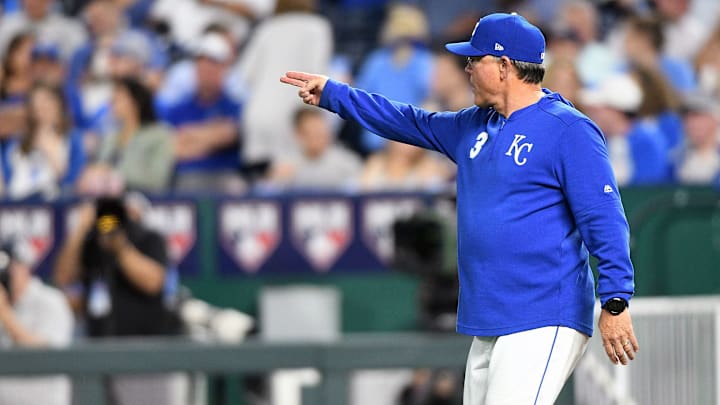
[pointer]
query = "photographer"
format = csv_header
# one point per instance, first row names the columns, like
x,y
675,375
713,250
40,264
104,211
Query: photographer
x,y
120,267
32,314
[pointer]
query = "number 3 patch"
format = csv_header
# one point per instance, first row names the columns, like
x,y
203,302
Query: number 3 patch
x,y
480,142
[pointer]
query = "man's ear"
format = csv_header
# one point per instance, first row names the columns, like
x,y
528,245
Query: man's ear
x,y
505,65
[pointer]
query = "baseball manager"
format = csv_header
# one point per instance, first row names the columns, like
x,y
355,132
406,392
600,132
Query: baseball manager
x,y
536,196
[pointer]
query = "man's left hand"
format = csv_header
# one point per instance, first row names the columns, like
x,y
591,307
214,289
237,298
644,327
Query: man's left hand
x,y
618,336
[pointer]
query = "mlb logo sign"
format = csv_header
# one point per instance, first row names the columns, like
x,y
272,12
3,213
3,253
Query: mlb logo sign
x,y
322,230
378,217
33,228
176,222
251,231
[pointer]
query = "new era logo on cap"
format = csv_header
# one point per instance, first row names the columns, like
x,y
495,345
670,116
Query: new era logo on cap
x,y
502,34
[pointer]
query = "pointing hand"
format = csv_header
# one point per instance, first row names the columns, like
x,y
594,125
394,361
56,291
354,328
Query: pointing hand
x,y
311,86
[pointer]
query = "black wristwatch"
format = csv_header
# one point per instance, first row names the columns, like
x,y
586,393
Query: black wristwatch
x,y
615,306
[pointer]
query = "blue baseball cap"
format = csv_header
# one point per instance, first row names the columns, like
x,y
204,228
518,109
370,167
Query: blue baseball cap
x,y
502,34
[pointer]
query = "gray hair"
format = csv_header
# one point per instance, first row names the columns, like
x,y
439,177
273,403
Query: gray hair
x,y
528,72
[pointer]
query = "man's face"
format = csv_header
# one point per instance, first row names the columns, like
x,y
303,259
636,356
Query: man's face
x,y
210,75
103,17
701,128
672,9
484,74
581,19
37,9
314,135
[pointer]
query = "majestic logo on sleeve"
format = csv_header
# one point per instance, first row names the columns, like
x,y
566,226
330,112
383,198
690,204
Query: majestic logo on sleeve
x,y
517,149
480,141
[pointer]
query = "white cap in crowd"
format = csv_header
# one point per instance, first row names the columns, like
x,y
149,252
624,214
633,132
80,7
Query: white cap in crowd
x,y
620,92
213,46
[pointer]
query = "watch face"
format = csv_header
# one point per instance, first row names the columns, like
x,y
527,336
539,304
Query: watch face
x,y
615,306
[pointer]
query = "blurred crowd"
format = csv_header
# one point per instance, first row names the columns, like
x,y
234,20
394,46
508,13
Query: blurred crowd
x,y
101,97
162,96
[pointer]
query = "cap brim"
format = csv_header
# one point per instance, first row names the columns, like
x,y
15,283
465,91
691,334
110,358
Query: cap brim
x,y
463,49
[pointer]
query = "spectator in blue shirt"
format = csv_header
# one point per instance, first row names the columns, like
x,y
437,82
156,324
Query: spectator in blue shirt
x,y
180,78
637,148
402,68
206,125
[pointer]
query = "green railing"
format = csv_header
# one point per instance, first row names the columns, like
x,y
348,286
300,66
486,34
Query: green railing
x,y
88,364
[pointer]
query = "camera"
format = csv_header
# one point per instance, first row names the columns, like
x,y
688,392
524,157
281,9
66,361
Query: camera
x,y
111,215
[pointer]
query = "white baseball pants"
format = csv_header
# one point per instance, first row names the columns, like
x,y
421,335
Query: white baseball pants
x,y
524,368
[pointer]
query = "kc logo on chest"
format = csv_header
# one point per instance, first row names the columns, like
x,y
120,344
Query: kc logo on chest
x,y
517,150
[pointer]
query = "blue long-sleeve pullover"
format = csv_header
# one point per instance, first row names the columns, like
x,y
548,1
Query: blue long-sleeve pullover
x,y
535,193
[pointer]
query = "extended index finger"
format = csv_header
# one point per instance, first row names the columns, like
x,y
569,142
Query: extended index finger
x,y
300,75
294,82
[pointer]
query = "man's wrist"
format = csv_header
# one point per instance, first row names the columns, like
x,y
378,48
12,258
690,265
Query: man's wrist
x,y
327,90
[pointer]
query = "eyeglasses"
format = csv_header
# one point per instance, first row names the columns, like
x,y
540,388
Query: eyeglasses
x,y
471,60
